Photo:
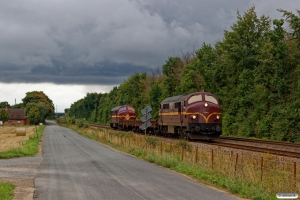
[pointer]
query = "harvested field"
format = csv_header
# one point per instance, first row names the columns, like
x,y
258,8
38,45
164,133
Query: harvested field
x,y
9,138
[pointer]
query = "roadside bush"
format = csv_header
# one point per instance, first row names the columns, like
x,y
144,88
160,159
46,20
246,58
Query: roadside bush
x,y
79,123
70,121
152,141
185,144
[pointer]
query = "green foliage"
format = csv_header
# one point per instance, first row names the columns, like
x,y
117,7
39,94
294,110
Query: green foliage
x,y
209,68
20,105
70,120
152,141
253,72
42,108
4,115
83,108
39,96
6,191
131,92
81,123
33,115
155,95
4,104
184,144
294,22
191,79
172,69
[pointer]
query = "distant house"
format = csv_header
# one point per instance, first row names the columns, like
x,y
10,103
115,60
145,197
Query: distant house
x,y
16,116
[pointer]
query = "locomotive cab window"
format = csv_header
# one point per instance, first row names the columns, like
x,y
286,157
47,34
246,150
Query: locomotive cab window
x,y
122,109
131,109
211,99
177,105
195,98
165,106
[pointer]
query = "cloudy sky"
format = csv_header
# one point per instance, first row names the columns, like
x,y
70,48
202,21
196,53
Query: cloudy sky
x,y
67,48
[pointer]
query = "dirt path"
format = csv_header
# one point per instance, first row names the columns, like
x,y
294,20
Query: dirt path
x,y
21,172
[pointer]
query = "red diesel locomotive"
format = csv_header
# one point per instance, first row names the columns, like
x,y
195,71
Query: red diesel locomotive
x,y
122,117
192,116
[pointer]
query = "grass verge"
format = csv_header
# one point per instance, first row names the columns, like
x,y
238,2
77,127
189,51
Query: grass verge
x,y
6,191
29,148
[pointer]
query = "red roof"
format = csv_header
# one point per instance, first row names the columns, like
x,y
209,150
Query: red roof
x,y
16,113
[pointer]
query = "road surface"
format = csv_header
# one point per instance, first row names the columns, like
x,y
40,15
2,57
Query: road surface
x,y
74,167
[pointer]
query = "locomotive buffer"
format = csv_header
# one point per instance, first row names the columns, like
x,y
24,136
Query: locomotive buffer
x,y
145,118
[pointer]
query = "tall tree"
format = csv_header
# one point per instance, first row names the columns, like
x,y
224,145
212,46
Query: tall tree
x,y
4,104
191,80
4,115
33,115
130,92
42,108
172,69
155,95
83,108
39,96
19,105
294,22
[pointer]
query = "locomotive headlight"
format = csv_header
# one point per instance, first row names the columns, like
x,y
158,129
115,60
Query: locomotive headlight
x,y
218,116
206,104
193,116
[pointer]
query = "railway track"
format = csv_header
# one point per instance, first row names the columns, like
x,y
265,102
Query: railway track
x,y
279,152
271,147
286,144
99,125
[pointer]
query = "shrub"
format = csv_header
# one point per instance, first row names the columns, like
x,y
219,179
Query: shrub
x,y
151,141
184,144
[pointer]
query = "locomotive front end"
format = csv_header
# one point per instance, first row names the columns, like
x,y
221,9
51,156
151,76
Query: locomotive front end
x,y
203,116
122,117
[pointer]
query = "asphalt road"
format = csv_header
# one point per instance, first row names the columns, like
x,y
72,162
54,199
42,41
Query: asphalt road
x,y
74,167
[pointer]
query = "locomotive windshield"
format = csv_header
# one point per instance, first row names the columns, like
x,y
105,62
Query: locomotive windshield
x,y
130,108
195,98
211,99
123,108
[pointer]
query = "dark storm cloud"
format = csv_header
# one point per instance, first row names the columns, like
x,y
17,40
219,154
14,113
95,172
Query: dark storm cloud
x,y
103,42
105,73
214,15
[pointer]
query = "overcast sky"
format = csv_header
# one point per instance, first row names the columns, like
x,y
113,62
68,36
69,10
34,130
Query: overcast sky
x,y
68,48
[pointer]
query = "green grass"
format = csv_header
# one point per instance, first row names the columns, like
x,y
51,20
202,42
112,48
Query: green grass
x,y
6,191
29,148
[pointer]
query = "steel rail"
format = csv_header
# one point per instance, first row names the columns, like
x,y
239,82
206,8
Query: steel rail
x,y
290,144
258,149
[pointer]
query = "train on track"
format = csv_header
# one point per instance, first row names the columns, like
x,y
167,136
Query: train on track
x,y
190,116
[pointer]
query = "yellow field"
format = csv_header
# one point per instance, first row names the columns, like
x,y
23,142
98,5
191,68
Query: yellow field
x,y
9,138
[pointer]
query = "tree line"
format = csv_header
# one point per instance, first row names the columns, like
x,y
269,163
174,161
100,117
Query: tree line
x,y
254,71
37,104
